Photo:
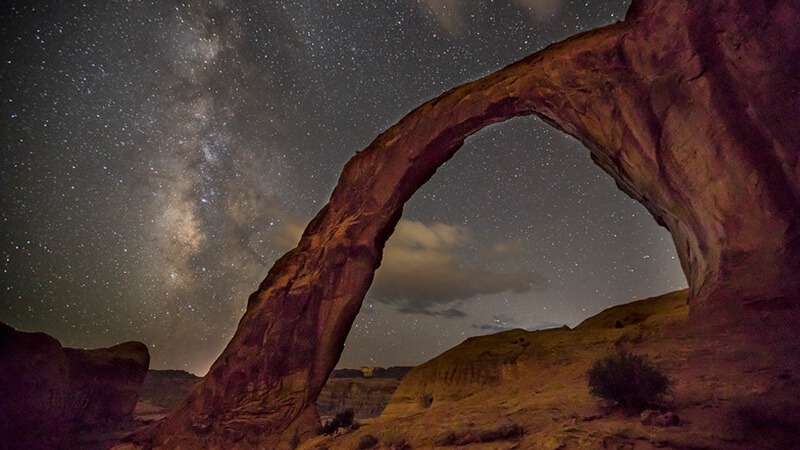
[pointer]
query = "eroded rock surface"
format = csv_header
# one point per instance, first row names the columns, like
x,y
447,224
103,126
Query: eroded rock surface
x,y
47,392
690,106
366,396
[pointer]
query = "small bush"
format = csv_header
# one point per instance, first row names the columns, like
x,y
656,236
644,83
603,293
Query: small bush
x,y
628,379
367,441
425,400
342,419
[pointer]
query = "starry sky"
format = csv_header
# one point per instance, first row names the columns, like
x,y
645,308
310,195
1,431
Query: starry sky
x,y
159,156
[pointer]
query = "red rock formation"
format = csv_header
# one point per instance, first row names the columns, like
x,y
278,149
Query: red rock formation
x,y
105,382
47,391
690,106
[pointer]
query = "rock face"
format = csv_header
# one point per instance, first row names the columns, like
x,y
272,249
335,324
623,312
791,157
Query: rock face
x,y
48,391
690,106
367,397
729,391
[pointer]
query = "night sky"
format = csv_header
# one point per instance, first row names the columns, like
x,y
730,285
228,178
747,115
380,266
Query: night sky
x,y
158,157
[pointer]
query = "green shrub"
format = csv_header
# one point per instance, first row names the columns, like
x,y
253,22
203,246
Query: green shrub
x,y
628,379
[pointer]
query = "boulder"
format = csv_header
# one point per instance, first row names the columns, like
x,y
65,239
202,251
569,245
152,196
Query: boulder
x,y
48,392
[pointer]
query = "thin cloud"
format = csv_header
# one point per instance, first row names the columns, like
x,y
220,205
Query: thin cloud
x,y
423,274
449,313
504,323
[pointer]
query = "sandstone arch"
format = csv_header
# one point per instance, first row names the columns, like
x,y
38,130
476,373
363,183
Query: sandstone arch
x,y
690,106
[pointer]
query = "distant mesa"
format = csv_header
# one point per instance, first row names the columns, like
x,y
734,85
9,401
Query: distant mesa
x,y
366,391
395,372
162,391
49,392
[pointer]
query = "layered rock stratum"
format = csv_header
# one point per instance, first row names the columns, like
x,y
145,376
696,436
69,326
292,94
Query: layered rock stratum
x,y
366,396
48,392
690,106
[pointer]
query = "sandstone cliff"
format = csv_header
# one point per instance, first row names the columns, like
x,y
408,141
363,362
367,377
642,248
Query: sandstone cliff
x,y
365,396
729,391
48,392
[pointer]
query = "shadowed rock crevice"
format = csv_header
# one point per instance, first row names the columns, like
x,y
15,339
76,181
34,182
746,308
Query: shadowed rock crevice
x,y
687,105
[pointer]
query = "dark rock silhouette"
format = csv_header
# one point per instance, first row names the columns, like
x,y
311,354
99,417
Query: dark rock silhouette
x,y
690,106
47,392
167,388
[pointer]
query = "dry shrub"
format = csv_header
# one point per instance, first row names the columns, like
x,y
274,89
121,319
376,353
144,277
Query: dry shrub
x,y
629,380
367,441
342,419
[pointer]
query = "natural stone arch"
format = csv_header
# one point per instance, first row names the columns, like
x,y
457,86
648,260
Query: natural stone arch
x,y
688,105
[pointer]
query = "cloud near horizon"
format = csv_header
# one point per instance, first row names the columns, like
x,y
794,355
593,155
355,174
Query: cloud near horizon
x,y
422,272
504,323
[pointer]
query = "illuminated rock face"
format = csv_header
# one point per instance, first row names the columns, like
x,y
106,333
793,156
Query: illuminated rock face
x,y
691,106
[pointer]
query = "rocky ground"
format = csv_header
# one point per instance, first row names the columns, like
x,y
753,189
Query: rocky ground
x,y
528,390
733,388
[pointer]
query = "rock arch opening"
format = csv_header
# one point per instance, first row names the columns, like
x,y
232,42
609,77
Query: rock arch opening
x,y
665,108
518,230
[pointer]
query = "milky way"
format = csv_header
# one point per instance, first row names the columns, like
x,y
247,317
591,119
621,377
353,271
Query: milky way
x,y
158,157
